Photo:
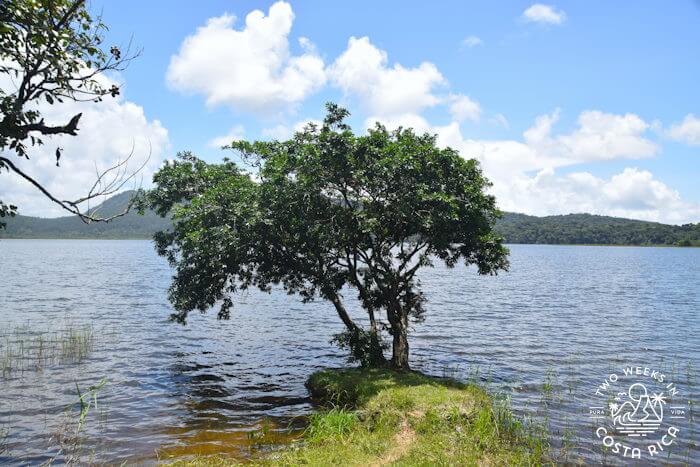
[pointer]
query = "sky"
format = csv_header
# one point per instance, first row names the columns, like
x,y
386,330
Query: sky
x,y
569,106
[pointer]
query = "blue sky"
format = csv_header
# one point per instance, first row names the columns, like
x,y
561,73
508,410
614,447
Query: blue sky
x,y
570,106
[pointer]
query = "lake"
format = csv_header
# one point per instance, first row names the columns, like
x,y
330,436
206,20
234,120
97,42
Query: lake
x,y
546,335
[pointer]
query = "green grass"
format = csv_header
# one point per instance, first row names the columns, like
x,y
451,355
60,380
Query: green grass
x,y
24,348
4,433
382,417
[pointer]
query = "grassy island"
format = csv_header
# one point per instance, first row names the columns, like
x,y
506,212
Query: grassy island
x,y
384,417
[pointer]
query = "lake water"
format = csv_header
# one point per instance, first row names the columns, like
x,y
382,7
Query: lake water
x,y
546,334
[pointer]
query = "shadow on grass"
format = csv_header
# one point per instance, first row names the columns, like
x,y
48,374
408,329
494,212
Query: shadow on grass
x,y
353,387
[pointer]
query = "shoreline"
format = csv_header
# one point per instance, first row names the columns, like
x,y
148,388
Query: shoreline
x,y
660,245
382,417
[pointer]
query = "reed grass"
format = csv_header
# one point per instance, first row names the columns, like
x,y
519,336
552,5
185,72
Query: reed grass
x,y
71,448
550,413
23,348
4,433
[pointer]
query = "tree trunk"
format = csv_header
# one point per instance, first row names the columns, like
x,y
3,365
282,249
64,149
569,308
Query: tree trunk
x,y
343,313
377,358
399,328
372,356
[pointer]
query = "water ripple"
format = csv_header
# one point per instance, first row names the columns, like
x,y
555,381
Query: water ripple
x,y
562,316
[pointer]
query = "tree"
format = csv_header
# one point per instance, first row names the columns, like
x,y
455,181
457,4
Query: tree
x,y
51,52
328,213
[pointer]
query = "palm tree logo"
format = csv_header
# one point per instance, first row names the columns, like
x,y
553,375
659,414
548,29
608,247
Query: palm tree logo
x,y
640,414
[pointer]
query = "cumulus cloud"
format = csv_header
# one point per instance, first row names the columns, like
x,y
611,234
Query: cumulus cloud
x,y
597,136
541,13
363,70
108,131
278,132
687,131
632,193
396,95
472,41
282,132
524,172
235,134
249,68
406,120
464,108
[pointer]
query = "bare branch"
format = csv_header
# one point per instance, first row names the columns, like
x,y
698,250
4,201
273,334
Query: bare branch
x,y
98,189
54,51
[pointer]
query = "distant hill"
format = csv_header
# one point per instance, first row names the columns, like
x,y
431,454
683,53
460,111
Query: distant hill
x,y
132,225
515,228
589,229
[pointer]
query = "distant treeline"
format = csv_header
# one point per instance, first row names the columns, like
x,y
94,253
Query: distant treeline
x,y
132,225
588,229
583,229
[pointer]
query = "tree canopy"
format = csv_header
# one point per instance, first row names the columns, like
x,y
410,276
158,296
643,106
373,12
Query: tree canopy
x,y
52,51
326,214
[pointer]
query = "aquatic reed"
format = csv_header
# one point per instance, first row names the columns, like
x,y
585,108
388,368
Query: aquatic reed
x,y
4,432
71,448
24,348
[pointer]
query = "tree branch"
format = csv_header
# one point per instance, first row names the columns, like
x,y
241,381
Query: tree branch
x,y
21,131
74,206
67,16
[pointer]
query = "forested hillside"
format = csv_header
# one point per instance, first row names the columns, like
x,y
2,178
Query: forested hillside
x,y
132,225
586,229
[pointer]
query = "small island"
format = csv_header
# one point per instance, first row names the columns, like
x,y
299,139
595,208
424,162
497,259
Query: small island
x,y
385,417
348,233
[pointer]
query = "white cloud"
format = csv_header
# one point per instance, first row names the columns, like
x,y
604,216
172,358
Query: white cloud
x,y
235,134
278,132
632,193
387,91
472,41
464,108
598,136
406,120
636,190
524,175
251,68
396,95
541,13
500,119
302,124
107,133
687,131
282,132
